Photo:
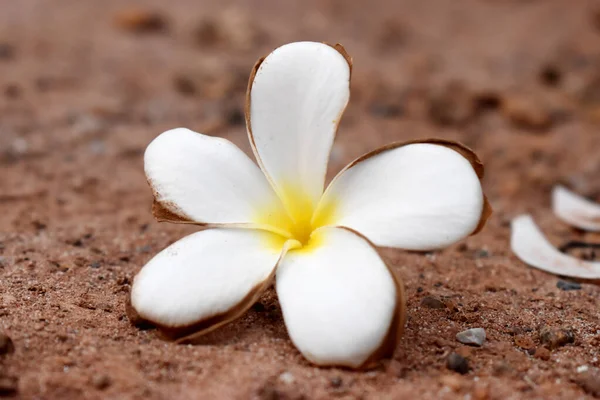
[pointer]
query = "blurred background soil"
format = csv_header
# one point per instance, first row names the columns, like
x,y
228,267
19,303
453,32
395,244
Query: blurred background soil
x,y
86,85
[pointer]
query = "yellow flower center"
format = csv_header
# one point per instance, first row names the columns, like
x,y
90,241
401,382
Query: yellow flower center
x,y
300,221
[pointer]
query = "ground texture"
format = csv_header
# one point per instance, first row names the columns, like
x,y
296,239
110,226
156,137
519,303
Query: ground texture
x,y
85,86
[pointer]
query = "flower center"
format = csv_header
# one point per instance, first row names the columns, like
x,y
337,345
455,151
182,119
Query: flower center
x,y
300,220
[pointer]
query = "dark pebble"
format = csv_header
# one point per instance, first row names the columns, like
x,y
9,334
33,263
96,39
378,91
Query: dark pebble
x,y
481,253
95,265
101,382
432,302
568,285
550,75
235,116
554,338
336,382
457,363
6,344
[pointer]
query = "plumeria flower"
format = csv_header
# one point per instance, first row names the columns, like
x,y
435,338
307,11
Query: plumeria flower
x,y
342,305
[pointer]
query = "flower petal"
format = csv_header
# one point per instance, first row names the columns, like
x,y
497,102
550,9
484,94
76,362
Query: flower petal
x,y
295,100
341,304
206,279
208,180
416,196
576,210
529,244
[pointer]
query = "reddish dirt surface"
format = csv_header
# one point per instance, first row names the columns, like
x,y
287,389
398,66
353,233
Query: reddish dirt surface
x,y
85,86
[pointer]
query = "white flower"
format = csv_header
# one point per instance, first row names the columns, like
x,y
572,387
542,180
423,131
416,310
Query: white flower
x,y
341,304
531,246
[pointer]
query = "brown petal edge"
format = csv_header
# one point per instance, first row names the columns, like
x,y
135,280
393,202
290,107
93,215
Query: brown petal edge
x,y
170,212
167,211
339,48
389,343
187,333
463,150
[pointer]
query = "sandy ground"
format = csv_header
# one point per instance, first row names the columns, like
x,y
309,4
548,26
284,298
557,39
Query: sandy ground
x,y
85,86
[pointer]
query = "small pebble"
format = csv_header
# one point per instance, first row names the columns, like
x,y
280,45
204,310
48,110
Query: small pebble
x,y
432,302
550,75
502,368
542,353
336,382
554,338
101,382
524,342
481,253
287,378
568,285
6,344
474,336
526,113
457,363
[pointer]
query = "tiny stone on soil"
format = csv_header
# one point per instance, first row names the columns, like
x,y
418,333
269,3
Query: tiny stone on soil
x,y
457,363
6,344
101,382
474,336
554,338
287,378
481,253
336,382
568,285
526,113
524,342
432,302
542,353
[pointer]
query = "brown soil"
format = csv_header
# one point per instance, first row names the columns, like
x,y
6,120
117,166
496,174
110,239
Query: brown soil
x,y
85,86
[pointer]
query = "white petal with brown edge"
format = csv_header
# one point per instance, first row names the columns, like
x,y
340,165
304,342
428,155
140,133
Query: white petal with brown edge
x,y
207,179
338,298
416,197
530,245
205,274
296,99
576,210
